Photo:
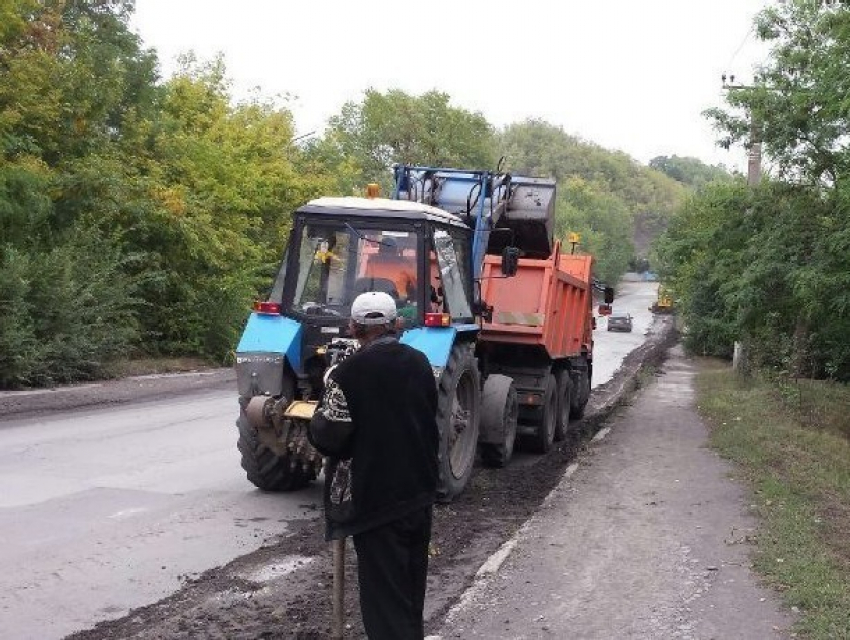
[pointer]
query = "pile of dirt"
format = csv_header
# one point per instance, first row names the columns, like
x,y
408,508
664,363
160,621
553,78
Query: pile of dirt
x,y
232,603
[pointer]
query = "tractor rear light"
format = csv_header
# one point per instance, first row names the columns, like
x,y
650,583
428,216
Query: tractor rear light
x,y
271,308
438,320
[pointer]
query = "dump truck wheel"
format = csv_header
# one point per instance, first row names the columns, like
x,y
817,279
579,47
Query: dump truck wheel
x,y
581,394
499,410
458,416
544,435
264,468
565,387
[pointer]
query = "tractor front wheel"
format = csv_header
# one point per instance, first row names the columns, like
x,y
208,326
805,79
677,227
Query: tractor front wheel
x,y
264,468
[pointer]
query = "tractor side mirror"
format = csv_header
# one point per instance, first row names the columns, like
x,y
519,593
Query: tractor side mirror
x,y
609,295
510,261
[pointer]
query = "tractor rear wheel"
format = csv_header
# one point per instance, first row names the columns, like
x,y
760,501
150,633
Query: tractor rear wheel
x,y
264,468
458,416
499,410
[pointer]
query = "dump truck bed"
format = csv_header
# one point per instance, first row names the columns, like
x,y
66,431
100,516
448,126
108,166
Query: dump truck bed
x,y
547,304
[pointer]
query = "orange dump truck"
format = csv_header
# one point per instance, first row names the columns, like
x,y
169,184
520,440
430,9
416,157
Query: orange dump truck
x,y
531,300
540,334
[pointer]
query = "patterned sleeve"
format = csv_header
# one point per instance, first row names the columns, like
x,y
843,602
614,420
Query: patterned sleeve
x,y
334,406
331,428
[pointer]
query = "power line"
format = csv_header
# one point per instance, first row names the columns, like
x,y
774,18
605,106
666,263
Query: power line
x,y
741,46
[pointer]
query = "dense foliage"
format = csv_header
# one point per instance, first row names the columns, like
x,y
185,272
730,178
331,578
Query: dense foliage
x,y
771,266
134,214
689,171
141,215
395,127
614,203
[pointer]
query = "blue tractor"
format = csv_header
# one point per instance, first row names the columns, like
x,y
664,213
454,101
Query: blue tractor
x,y
425,246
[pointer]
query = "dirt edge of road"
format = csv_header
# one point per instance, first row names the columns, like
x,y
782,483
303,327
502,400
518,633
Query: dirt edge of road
x,y
36,402
239,601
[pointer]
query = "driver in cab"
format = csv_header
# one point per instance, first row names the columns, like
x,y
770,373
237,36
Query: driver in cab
x,y
391,264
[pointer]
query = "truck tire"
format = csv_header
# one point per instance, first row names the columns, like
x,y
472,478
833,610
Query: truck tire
x,y
544,435
565,388
458,416
498,414
581,394
264,468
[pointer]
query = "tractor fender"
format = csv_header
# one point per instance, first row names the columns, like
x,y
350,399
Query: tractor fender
x,y
436,342
267,344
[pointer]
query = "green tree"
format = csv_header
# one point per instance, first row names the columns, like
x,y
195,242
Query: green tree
x,y
793,269
689,171
67,303
395,127
616,204
799,98
603,222
771,264
218,187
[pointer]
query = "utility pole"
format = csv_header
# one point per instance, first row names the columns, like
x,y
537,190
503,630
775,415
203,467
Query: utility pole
x,y
739,350
754,156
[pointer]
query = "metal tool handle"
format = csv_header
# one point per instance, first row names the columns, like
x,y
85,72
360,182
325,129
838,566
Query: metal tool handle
x,y
338,621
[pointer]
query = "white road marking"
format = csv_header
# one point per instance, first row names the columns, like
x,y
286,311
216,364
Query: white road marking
x,y
126,513
600,435
278,569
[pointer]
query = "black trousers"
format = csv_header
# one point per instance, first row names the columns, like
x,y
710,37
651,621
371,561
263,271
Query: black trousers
x,y
392,570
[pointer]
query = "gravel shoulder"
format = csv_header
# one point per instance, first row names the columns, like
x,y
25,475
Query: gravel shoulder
x,y
111,392
646,538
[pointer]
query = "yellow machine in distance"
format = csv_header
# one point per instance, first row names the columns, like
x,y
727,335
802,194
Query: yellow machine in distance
x,y
664,302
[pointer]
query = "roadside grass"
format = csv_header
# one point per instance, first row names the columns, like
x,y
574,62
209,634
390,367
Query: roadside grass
x,y
793,447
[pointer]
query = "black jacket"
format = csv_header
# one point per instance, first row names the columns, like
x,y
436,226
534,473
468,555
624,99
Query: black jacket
x,y
377,423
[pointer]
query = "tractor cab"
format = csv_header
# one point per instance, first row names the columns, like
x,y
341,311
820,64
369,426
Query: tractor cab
x,y
342,247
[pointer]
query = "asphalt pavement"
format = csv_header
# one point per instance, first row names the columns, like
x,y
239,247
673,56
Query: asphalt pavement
x,y
645,537
115,493
107,509
634,296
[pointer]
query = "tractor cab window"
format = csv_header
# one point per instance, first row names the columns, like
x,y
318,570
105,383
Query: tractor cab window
x,y
276,293
451,282
323,266
339,262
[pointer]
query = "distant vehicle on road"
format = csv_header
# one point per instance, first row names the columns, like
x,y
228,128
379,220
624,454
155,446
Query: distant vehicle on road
x,y
664,304
618,321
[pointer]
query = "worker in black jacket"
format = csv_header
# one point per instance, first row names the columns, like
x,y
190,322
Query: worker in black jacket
x,y
377,423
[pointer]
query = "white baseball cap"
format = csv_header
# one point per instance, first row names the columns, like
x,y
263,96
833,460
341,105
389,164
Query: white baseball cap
x,y
373,308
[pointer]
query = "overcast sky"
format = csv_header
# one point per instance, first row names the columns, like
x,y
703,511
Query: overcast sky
x,y
626,75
